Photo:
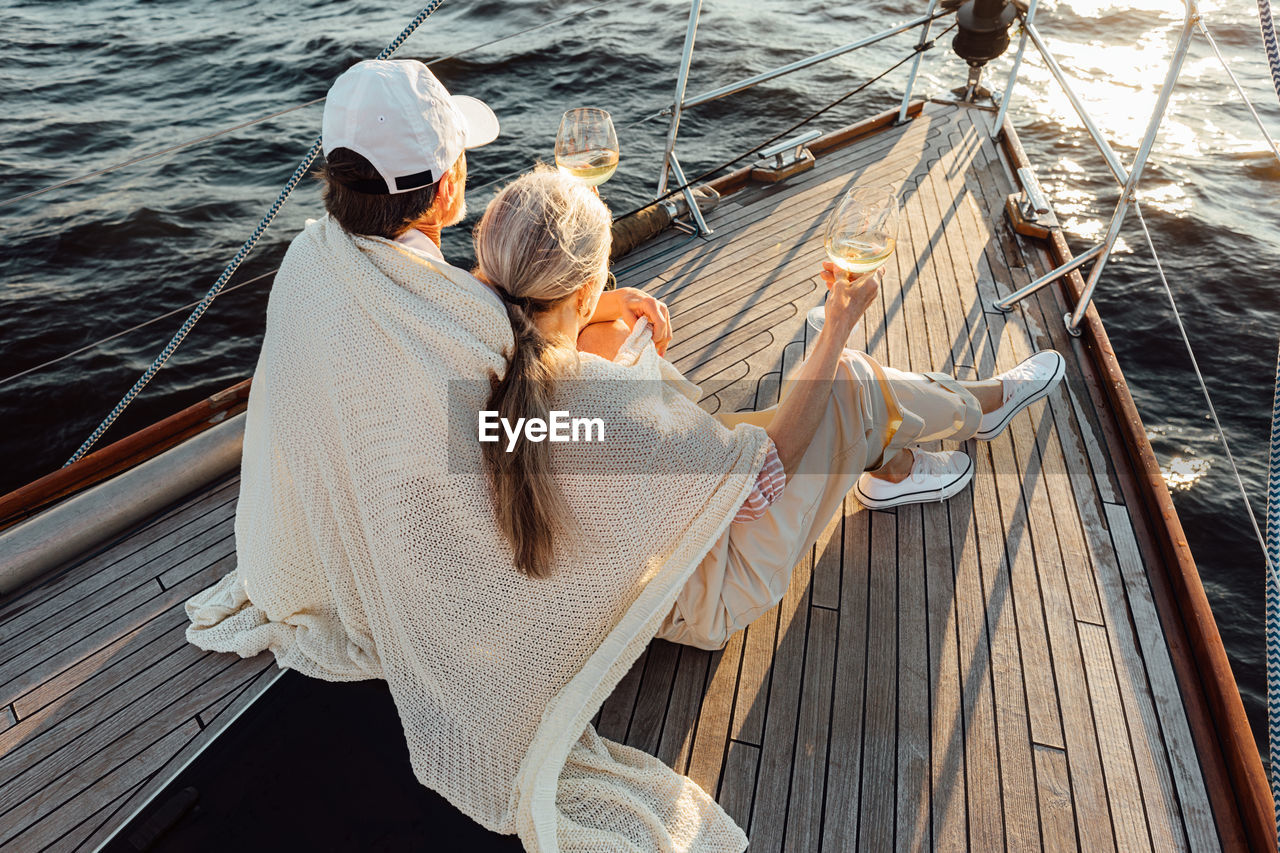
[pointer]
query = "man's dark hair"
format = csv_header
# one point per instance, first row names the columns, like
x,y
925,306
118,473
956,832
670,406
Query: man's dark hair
x,y
373,214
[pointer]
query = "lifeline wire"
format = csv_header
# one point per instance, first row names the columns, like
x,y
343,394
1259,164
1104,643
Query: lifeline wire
x,y
920,48
1213,413
13,377
245,249
1227,68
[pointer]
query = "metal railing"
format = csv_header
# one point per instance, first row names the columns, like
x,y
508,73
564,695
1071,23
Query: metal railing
x,y
1126,178
670,166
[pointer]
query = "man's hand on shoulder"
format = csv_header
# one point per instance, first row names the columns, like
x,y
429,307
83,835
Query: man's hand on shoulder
x,y
629,304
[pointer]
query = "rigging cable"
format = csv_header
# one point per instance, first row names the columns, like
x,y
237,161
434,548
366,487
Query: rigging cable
x,y
245,249
919,48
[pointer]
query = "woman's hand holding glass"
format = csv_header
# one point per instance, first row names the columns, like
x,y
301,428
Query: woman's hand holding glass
x,y
860,236
848,298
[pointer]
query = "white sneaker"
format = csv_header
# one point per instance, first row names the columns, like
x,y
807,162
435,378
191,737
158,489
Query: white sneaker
x,y
1034,378
935,476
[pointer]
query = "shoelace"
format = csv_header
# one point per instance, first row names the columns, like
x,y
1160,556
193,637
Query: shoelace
x,y
927,465
1017,380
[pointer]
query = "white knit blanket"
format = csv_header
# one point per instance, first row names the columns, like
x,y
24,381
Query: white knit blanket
x,y
367,545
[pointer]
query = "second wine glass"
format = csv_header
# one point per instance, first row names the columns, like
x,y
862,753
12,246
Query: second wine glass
x,y
861,235
587,145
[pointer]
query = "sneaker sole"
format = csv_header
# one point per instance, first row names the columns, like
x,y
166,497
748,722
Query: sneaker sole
x,y
1050,384
945,493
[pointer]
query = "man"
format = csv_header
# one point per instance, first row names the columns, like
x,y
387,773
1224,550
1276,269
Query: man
x,y
395,145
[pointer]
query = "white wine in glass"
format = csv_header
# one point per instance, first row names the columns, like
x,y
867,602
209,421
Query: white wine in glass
x,y
587,145
861,235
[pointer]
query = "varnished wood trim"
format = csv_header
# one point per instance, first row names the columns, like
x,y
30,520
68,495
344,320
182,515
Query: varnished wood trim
x,y
123,454
834,141
1232,767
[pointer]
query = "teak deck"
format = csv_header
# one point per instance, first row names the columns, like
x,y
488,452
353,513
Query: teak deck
x,y
989,673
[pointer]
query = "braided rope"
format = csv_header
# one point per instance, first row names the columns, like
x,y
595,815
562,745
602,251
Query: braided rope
x,y
1273,596
1269,41
245,249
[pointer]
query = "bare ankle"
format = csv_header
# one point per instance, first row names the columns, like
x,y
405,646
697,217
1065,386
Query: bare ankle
x,y
896,469
988,392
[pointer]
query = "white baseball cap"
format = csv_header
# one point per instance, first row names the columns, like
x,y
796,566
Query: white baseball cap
x,y
399,117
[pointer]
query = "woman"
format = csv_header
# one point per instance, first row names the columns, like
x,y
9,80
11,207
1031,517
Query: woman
x,y
844,421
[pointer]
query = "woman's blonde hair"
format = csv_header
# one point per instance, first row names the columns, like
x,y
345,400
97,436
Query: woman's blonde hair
x,y
540,239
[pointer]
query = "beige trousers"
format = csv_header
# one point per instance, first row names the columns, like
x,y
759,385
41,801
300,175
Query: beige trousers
x,y
873,412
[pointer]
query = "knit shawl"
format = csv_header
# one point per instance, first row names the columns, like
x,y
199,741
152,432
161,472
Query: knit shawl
x,y
367,544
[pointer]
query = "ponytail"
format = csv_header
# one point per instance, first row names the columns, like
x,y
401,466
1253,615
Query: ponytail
x,y
542,238
528,504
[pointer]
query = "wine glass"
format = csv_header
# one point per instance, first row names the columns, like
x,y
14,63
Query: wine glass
x,y
861,235
587,145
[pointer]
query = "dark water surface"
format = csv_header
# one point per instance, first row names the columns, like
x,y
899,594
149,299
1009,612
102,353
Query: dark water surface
x,y
119,79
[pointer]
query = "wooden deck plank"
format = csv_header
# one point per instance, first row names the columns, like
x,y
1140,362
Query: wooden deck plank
x,y
844,762
88,566
985,817
915,538
1069,531
131,610
998,560
915,805
738,782
1125,797
783,202
1079,728
809,765
107,667
96,581
1197,815
655,690
706,761
1164,814
684,708
212,721
1080,576
949,793
37,761
753,680
774,245
615,713
876,824
1057,814
777,750
68,778
38,735
240,695
1096,559
826,565
65,828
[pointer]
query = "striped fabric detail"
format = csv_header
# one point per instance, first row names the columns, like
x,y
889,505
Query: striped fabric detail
x,y
770,482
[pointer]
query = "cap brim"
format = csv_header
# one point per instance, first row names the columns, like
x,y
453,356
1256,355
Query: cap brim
x,y
482,124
